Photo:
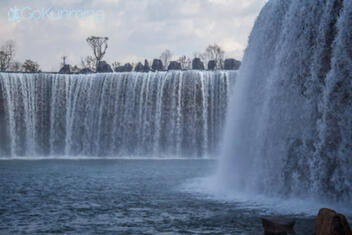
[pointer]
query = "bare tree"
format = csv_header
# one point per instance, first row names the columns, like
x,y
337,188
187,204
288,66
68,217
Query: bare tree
x,y
201,56
166,57
115,65
89,62
133,64
16,66
99,46
7,53
186,63
30,66
214,52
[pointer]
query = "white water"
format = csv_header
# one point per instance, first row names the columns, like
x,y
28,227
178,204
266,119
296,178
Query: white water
x,y
289,128
209,188
164,114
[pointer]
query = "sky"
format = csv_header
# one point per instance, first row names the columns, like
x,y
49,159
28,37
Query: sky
x,y
46,30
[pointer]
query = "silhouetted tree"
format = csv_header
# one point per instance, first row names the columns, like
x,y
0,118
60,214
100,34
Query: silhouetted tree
x,y
7,53
201,56
214,52
30,66
166,57
89,62
99,46
115,64
16,66
186,63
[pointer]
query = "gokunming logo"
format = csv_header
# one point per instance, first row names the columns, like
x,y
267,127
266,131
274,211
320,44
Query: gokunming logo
x,y
29,14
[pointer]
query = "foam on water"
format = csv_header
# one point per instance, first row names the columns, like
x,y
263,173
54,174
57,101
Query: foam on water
x,y
209,188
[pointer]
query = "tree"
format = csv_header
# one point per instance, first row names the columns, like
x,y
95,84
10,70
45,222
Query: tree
x,y
30,66
115,64
186,63
99,46
199,55
7,53
89,62
214,52
16,66
166,57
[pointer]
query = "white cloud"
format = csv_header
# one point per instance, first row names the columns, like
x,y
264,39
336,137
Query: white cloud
x,y
230,44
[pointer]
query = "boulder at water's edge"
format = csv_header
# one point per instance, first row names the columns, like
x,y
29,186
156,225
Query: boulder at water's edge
x,y
329,222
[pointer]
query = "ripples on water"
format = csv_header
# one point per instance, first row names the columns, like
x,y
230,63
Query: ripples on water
x,y
118,196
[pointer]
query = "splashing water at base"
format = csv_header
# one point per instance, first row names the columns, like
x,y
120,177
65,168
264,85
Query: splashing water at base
x,y
264,205
289,128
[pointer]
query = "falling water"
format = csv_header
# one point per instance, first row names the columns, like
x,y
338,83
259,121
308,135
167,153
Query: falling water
x,y
162,114
289,128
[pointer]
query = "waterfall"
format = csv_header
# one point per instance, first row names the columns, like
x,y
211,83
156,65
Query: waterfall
x,y
161,114
289,127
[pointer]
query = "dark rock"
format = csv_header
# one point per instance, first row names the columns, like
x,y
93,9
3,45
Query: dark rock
x,y
120,69
197,64
139,67
128,67
103,67
277,226
211,65
66,69
146,66
174,65
232,64
85,71
329,222
157,65
125,68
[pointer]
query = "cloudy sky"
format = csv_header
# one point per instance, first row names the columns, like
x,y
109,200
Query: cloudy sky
x,y
45,30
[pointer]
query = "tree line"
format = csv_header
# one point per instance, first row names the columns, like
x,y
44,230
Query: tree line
x,y
212,56
8,63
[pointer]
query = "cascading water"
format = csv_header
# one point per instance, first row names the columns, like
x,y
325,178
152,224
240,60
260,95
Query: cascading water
x,y
289,128
161,114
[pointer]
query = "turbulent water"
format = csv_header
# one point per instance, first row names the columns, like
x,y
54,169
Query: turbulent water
x,y
179,114
290,121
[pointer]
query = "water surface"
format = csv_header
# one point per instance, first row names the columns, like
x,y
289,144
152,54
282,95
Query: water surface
x,y
118,197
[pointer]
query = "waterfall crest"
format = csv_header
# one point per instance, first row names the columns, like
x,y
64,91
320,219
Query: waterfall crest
x,y
289,128
162,114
